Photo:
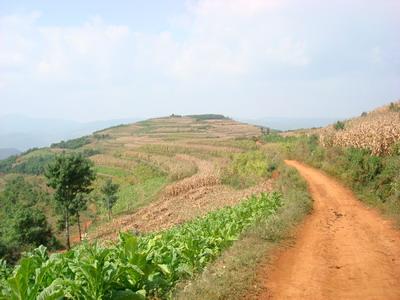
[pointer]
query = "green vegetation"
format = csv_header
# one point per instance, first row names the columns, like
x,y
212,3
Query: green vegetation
x,y
248,168
394,107
32,162
70,175
277,138
72,144
131,197
339,125
35,165
109,190
24,225
231,275
375,179
208,117
111,171
6,165
136,266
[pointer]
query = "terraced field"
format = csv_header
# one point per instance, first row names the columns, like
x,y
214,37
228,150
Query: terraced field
x,y
188,155
168,170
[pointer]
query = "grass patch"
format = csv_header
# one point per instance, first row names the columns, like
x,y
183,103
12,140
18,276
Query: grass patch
x,y
111,171
131,197
247,169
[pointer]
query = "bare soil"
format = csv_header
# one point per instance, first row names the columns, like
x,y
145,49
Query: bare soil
x,y
342,251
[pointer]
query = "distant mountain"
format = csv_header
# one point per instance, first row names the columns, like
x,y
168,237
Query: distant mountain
x,y
7,152
290,123
23,132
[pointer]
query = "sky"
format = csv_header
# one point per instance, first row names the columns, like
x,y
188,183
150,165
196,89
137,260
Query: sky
x,y
91,60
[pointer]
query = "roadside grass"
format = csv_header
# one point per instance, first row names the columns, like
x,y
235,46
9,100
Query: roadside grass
x,y
375,179
232,275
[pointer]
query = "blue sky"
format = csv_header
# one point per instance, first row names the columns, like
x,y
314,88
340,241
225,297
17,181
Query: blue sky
x,y
90,60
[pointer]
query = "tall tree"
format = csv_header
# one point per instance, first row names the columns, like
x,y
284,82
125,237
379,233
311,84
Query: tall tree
x,y
110,197
79,204
69,175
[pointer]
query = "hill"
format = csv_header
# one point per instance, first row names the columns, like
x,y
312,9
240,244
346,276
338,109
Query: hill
x,y
164,159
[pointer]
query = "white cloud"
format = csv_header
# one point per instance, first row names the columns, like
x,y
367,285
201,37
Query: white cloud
x,y
91,46
228,38
216,50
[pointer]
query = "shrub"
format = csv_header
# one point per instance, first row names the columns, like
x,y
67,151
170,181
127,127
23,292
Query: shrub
x,y
34,165
72,144
339,125
208,117
248,168
394,107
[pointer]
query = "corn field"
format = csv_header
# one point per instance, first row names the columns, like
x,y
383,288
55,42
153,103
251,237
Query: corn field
x,y
377,131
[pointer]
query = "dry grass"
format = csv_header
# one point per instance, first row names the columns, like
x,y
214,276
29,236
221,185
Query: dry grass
x,y
378,131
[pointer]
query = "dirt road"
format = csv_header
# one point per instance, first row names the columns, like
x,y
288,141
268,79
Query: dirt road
x,y
342,251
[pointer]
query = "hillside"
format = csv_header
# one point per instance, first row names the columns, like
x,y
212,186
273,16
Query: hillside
x,y
169,159
203,201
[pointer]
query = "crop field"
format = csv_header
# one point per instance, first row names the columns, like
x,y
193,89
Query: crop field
x,y
175,210
135,267
377,131
173,164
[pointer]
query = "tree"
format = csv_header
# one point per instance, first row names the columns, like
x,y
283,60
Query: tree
x,y
79,204
110,197
30,227
69,175
23,224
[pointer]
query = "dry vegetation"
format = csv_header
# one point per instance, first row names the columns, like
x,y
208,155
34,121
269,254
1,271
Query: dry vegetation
x,y
377,131
189,154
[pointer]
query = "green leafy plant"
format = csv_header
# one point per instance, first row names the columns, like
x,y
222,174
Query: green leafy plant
x,y
135,267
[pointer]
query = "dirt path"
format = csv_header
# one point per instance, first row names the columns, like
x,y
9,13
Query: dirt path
x,y
343,250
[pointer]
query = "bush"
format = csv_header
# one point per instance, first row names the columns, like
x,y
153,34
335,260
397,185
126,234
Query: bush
x,y
247,169
394,107
24,226
208,117
7,164
72,144
339,125
34,165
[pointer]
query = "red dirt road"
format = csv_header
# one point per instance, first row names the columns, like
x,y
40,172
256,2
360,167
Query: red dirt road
x,y
342,251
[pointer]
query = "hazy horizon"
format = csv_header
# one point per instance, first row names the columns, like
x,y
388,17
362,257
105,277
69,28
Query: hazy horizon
x,y
93,60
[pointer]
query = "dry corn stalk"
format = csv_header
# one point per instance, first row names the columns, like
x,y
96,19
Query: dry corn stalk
x,y
378,131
